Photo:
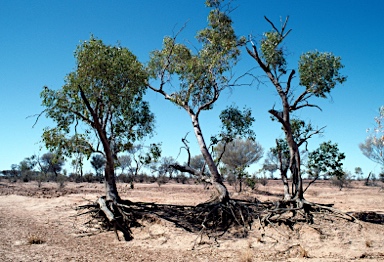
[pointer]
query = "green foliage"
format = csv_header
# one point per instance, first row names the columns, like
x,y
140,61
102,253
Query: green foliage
x,y
319,72
326,160
143,156
235,123
281,154
271,51
201,75
103,96
251,182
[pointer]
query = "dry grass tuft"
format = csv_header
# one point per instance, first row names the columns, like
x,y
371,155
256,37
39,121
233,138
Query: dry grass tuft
x,y
247,254
35,239
368,243
303,252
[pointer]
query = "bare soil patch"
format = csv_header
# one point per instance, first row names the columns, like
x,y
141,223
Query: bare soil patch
x,y
36,224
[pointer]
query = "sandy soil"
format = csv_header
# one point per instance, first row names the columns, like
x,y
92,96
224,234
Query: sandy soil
x,y
36,224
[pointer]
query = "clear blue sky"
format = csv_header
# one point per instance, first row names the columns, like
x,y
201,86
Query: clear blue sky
x,y
38,38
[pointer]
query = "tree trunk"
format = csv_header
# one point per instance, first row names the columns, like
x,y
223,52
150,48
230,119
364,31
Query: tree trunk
x,y
287,195
110,184
216,179
110,179
284,178
294,167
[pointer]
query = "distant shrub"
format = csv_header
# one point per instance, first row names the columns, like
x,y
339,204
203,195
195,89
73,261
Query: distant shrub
x,y
340,182
381,175
181,178
61,180
263,181
125,178
161,180
251,182
231,179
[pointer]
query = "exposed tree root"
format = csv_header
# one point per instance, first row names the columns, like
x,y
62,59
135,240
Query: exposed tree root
x,y
210,219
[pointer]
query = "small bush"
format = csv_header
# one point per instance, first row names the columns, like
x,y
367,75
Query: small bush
x,y
231,179
90,178
61,180
125,178
161,180
263,181
340,182
251,182
181,179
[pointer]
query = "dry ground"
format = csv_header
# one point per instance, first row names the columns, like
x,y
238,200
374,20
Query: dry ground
x,y
30,215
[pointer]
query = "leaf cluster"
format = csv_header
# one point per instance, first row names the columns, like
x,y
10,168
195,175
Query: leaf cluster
x,y
102,97
235,123
326,160
320,72
201,76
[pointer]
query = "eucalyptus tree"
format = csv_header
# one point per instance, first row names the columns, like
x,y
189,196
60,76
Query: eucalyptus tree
x,y
202,76
319,73
100,108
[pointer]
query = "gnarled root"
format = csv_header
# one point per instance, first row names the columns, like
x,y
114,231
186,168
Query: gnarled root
x,y
107,215
290,212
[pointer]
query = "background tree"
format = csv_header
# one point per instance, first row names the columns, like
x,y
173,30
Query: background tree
x,y
202,77
97,162
100,108
373,146
51,163
326,161
15,172
26,167
280,155
124,162
143,156
78,163
270,165
166,167
359,173
198,163
239,154
319,74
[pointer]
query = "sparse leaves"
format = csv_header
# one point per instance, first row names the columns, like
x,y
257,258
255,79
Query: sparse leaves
x,y
373,146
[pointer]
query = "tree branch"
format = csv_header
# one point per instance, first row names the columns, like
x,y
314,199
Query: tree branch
x,y
289,81
304,140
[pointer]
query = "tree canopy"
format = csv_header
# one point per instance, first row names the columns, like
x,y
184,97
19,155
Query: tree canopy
x,y
100,108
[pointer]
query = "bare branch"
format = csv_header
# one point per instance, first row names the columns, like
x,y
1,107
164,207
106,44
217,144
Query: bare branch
x,y
308,136
37,117
273,25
